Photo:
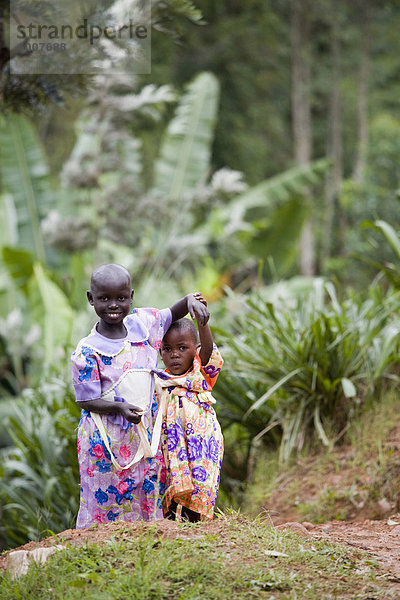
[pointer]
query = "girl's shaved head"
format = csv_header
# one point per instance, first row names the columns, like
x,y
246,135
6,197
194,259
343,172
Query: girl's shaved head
x,y
110,274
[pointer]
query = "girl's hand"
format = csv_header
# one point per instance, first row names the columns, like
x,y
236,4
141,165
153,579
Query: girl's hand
x,y
194,304
197,307
130,412
198,296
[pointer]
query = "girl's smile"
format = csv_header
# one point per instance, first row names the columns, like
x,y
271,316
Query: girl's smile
x,y
111,302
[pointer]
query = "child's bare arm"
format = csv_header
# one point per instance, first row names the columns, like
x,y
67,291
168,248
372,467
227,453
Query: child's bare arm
x,y
206,343
193,304
104,407
206,339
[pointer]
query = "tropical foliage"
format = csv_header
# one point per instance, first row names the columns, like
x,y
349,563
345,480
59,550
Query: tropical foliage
x,y
39,482
305,363
390,269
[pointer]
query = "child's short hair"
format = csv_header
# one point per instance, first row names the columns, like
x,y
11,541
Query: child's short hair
x,y
185,325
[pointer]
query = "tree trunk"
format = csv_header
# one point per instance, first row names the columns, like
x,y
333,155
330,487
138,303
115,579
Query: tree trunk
x,y
362,144
334,142
301,113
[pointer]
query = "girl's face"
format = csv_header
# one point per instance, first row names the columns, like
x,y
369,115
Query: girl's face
x,y
178,350
111,301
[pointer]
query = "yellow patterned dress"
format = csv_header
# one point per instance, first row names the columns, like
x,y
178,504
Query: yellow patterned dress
x,y
191,438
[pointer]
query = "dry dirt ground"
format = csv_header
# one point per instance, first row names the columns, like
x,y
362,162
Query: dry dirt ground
x,y
380,539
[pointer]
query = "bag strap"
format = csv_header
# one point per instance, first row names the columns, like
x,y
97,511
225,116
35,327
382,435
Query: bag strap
x,y
100,426
145,449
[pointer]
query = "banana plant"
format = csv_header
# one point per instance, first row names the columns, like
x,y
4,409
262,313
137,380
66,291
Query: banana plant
x,y
185,153
46,305
264,221
182,168
27,195
268,217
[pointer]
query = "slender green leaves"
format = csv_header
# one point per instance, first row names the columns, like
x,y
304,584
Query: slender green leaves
x,y
306,363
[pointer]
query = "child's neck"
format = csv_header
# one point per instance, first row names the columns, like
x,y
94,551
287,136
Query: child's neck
x,y
113,332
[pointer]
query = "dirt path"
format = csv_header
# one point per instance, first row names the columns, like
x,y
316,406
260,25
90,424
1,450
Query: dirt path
x,y
380,539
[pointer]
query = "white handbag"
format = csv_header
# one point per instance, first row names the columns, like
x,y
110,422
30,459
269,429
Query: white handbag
x,y
136,387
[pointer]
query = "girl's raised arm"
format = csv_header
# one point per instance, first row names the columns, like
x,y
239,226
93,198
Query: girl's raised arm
x,y
206,343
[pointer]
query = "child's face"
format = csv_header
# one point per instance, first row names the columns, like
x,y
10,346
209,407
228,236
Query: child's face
x,y
111,300
178,350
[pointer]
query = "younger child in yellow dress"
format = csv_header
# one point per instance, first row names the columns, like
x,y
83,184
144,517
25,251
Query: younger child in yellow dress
x,y
191,437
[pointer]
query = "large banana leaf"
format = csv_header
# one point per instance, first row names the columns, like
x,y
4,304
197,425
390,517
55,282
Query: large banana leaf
x,y
272,193
8,221
19,265
16,268
277,240
52,311
185,150
24,174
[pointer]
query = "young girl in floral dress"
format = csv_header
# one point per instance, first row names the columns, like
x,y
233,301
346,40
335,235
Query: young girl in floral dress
x,y
191,436
115,483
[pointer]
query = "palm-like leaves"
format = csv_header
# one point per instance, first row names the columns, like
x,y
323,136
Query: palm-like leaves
x,y
308,364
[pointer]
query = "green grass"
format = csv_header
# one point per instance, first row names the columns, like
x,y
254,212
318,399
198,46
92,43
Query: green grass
x,y
230,562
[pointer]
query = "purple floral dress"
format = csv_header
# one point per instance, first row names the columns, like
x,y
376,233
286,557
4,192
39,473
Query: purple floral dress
x,y
97,363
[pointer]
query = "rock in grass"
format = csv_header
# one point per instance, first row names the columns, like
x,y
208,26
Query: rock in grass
x,y
19,561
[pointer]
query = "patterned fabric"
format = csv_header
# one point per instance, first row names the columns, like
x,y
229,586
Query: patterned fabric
x,y
191,438
106,493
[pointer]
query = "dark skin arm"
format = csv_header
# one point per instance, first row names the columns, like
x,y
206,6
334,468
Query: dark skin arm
x,y
192,304
104,407
206,343
206,339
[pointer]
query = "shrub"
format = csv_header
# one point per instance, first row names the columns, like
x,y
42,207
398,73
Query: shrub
x,y
39,477
298,365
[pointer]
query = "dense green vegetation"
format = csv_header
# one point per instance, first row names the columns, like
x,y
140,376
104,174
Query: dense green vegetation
x,y
258,162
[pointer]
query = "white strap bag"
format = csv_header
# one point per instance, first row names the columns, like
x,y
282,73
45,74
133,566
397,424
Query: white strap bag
x,y
136,387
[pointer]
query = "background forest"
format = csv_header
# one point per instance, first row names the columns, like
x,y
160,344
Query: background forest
x,y
258,163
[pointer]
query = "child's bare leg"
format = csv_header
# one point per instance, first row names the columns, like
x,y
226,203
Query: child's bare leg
x,y
190,515
171,514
